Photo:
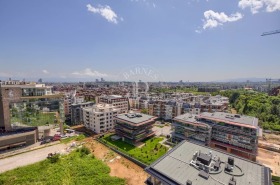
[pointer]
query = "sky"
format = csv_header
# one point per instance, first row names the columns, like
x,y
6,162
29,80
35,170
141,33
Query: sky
x,y
148,40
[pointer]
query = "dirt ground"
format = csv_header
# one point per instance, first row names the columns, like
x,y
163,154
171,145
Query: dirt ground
x,y
272,138
269,159
120,167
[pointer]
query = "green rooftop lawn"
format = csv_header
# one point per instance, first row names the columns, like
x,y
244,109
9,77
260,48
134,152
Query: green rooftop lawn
x,y
150,152
75,168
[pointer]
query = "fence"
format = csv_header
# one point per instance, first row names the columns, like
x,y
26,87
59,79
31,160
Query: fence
x,y
115,149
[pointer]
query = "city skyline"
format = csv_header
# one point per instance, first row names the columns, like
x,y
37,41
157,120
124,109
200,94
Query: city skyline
x,y
196,40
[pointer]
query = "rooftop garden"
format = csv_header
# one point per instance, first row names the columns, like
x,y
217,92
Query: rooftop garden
x,y
148,153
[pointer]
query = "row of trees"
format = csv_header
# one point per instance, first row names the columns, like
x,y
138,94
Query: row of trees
x,y
260,105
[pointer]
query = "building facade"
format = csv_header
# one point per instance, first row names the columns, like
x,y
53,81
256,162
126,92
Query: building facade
x,y
233,133
77,112
118,102
25,107
100,117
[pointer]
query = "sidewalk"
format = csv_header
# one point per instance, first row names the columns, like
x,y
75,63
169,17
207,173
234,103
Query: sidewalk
x,y
28,158
162,142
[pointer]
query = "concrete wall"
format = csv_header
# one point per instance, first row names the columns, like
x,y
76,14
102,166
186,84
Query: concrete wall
x,y
26,138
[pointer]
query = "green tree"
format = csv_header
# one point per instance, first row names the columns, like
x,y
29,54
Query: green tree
x,y
144,111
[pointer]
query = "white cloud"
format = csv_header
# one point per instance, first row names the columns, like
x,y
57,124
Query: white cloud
x,y
104,11
45,71
89,73
256,5
214,19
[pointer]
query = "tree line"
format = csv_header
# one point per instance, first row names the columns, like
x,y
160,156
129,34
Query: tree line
x,y
265,108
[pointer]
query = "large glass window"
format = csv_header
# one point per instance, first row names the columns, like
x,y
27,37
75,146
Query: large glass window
x,y
37,112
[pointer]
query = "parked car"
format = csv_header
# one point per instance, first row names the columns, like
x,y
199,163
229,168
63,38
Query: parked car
x,y
56,137
45,141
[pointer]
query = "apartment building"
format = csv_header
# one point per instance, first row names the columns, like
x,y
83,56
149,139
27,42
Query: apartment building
x,y
157,108
167,109
117,101
77,112
100,118
192,164
236,134
134,127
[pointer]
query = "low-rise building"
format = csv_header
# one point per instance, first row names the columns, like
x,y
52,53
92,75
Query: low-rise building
x,y
192,164
237,134
134,127
99,118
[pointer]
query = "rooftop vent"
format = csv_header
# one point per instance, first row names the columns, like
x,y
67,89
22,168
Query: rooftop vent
x,y
229,116
203,174
237,116
138,115
204,159
231,161
189,182
228,168
131,115
232,181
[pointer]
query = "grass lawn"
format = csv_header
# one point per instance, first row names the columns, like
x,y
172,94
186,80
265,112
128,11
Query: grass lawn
x,y
74,138
37,119
75,168
150,152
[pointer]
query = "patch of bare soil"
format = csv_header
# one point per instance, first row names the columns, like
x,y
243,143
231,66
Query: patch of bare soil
x,y
120,166
271,138
269,159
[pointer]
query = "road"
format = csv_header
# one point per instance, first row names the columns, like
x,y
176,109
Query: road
x,y
28,157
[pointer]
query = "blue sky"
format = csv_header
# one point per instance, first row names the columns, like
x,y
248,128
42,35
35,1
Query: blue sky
x,y
189,40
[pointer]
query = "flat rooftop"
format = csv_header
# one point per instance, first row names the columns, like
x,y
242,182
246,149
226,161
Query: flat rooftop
x,y
187,117
220,116
135,118
227,117
112,97
174,168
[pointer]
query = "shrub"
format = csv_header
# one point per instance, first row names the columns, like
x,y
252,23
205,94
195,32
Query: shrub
x,y
84,151
54,158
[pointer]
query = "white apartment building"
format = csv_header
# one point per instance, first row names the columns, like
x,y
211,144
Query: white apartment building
x,y
117,101
100,117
